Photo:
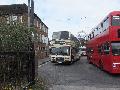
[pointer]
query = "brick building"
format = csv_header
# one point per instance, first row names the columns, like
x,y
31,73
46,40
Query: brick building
x,y
19,13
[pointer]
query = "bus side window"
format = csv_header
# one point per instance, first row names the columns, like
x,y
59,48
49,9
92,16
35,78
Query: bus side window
x,y
77,50
118,33
100,49
106,48
90,50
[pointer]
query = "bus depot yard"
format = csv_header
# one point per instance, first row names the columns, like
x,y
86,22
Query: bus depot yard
x,y
102,45
102,50
78,76
96,65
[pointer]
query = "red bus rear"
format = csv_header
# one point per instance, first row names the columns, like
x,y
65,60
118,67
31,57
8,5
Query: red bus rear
x,y
103,45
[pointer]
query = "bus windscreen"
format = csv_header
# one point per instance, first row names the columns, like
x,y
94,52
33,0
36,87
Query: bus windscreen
x,y
115,20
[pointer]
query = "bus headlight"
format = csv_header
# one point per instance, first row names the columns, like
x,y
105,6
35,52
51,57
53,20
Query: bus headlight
x,y
114,65
53,58
67,58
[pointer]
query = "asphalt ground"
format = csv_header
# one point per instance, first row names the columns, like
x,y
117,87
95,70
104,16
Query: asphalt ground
x,y
78,76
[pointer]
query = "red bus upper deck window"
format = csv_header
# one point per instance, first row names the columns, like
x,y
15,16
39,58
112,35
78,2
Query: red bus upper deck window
x,y
115,20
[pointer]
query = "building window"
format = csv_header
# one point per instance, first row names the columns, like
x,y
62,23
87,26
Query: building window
x,y
39,48
37,24
43,37
21,19
14,18
40,25
11,18
46,30
40,37
8,19
43,28
37,36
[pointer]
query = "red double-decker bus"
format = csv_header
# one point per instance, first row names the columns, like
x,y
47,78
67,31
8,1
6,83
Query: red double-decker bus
x,y
103,45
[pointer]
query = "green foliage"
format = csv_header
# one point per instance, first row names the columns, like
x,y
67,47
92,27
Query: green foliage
x,y
40,84
15,37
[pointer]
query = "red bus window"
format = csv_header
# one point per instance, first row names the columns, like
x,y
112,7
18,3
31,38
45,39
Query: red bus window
x,y
106,49
118,33
116,21
115,48
100,49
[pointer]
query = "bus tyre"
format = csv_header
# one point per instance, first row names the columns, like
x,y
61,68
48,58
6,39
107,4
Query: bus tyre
x,y
69,63
101,65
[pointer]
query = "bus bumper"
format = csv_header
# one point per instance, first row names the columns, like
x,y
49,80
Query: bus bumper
x,y
60,62
115,71
115,68
52,61
64,62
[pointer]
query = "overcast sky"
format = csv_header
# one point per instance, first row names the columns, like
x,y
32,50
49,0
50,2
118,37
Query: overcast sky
x,y
71,15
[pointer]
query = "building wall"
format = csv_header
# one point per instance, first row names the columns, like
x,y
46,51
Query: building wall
x,y
41,46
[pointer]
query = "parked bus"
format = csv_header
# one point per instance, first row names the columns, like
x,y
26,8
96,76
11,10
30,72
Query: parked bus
x,y
63,49
103,45
63,54
82,51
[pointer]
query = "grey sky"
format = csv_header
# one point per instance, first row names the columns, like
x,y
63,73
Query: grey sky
x,y
71,15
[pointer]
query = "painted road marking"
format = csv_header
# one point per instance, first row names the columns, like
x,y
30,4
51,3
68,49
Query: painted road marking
x,y
43,63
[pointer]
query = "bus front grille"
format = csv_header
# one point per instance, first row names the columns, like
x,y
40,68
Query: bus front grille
x,y
60,59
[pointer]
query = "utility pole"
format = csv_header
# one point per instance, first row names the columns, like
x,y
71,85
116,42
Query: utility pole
x,y
30,13
32,61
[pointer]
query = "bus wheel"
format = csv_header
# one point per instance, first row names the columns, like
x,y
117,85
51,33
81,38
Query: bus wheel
x,y
69,63
101,65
